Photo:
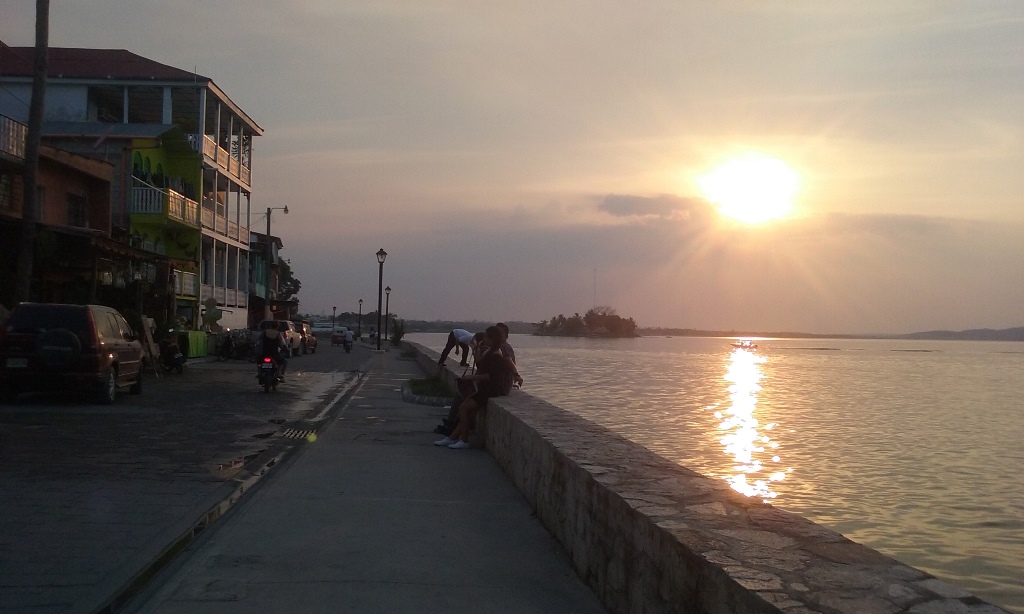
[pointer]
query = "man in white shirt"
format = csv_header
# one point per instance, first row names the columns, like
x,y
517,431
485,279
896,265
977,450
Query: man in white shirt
x,y
458,339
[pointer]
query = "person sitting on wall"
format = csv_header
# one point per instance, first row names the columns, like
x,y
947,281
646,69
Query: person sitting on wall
x,y
492,378
448,424
507,350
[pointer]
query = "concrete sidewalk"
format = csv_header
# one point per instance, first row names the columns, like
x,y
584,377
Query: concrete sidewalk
x,y
373,518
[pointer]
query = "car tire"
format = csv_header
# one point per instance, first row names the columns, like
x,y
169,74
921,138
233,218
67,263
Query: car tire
x,y
136,387
108,393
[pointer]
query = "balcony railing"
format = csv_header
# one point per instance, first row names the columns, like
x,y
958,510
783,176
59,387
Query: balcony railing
x,y
222,225
209,147
222,158
12,137
185,283
230,297
147,199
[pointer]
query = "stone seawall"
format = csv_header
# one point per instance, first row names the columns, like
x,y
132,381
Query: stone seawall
x,y
650,536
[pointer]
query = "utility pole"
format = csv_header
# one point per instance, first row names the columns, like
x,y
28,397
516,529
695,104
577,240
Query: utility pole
x,y
23,278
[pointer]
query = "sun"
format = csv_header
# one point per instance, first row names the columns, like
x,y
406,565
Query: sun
x,y
752,188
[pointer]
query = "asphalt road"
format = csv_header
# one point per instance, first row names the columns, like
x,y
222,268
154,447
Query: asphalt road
x,y
92,494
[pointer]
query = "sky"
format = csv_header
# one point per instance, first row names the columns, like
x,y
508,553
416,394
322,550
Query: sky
x,y
522,160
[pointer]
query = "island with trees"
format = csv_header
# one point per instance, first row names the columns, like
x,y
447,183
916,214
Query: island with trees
x,y
597,322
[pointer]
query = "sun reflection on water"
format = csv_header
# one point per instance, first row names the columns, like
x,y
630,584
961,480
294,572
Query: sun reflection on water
x,y
743,440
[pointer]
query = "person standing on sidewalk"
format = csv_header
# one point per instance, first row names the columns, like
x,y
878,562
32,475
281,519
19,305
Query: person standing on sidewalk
x,y
458,339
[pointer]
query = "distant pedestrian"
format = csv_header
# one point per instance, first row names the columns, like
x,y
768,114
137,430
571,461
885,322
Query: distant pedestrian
x,y
457,339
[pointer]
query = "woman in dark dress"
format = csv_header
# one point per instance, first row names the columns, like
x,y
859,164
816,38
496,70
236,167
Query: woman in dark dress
x,y
493,378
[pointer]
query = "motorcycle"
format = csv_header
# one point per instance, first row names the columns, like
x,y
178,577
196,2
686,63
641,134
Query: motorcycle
x,y
227,347
235,345
347,345
171,356
267,375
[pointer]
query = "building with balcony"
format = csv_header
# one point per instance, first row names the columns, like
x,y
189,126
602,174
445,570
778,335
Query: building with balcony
x,y
181,152
74,260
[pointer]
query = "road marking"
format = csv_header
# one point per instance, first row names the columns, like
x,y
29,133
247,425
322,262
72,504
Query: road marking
x,y
352,381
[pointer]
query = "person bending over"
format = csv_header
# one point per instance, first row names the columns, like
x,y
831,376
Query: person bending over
x,y
457,339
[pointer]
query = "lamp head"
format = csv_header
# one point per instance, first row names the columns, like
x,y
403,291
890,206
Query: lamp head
x,y
286,209
387,290
381,255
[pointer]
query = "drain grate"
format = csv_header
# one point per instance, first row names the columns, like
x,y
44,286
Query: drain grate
x,y
297,434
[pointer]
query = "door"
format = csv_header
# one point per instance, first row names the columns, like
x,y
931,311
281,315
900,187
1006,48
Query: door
x,y
129,349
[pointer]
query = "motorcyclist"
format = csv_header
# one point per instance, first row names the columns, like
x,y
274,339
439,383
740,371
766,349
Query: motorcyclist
x,y
273,344
349,337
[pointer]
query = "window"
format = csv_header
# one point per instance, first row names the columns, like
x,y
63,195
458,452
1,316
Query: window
x,y
78,211
126,330
105,327
6,192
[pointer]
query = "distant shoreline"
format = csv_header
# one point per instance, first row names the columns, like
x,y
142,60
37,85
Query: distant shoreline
x,y
528,328
984,334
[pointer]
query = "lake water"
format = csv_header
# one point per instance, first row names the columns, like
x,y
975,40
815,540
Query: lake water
x,y
915,448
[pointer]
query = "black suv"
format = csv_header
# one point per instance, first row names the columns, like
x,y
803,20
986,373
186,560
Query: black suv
x,y
89,348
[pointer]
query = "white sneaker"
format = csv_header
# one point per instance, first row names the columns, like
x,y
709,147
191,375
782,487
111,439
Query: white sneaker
x,y
447,441
459,445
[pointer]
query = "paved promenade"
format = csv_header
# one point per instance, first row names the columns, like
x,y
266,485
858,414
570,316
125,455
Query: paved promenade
x,y
373,518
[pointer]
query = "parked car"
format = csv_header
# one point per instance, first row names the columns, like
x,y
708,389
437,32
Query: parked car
x,y
306,334
291,335
86,348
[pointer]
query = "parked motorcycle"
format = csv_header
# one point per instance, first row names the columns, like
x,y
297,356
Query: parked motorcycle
x,y
227,347
171,356
267,374
235,345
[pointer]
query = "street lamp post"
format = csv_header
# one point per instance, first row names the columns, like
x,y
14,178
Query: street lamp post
x,y
359,328
381,255
387,310
334,315
269,255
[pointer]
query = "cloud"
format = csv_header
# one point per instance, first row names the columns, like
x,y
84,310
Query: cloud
x,y
663,206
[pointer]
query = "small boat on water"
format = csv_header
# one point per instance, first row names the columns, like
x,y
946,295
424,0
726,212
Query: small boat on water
x,y
745,344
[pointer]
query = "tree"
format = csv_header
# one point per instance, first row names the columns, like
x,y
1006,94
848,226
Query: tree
x,y
288,285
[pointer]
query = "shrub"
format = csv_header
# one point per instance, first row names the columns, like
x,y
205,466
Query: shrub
x,y
432,386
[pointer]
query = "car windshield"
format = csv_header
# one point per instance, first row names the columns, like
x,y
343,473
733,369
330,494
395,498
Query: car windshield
x,y
34,318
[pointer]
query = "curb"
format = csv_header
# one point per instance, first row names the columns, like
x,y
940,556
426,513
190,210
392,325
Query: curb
x,y
409,397
254,471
